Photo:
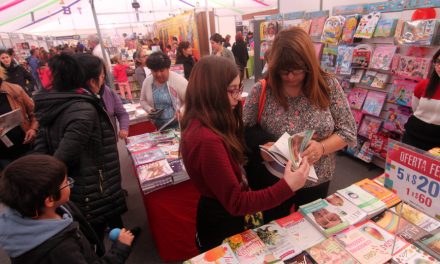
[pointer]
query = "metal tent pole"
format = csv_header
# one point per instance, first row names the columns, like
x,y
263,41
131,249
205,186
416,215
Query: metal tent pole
x,y
208,22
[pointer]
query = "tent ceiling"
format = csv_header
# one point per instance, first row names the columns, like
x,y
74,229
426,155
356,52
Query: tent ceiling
x,y
47,17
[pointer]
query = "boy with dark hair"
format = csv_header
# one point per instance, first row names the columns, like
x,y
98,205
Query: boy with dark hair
x,y
38,224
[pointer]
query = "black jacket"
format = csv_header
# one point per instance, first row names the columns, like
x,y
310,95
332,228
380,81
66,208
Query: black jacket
x,y
188,64
19,75
240,53
74,244
75,129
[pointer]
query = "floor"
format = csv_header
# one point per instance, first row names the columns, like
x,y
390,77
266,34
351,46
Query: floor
x,y
348,170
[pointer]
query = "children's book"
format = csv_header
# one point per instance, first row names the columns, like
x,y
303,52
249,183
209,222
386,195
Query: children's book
x,y
374,102
345,84
367,25
368,77
368,243
328,58
248,247
413,67
396,118
363,200
330,251
147,155
405,230
317,26
401,92
349,29
332,30
356,98
357,76
318,49
219,255
382,57
357,114
365,152
380,192
416,217
431,244
370,125
399,29
300,232
413,255
419,32
385,28
343,61
361,56
380,80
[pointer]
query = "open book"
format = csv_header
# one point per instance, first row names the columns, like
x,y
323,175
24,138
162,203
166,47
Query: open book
x,y
10,120
289,147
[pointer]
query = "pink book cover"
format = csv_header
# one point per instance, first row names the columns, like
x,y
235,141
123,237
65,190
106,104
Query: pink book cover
x,y
356,98
401,92
370,125
317,26
147,155
396,118
374,102
413,67
357,114
382,57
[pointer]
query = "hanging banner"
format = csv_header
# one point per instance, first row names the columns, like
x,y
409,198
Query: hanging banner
x,y
415,176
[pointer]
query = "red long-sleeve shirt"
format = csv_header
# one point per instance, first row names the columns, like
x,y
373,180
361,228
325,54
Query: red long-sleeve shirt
x,y
216,175
119,72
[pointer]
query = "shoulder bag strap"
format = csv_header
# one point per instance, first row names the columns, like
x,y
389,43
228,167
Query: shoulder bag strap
x,y
262,100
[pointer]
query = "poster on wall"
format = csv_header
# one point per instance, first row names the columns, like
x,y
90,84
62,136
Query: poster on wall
x,y
183,27
268,30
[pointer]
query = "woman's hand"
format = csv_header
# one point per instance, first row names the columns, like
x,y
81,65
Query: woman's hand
x,y
123,134
264,155
126,237
297,179
30,136
313,152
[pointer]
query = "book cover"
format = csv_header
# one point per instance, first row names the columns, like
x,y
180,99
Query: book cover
x,y
219,255
379,144
362,199
300,232
277,241
153,171
268,30
306,25
361,56
413,67
328,58
367,25
401,92
413,255
396,118
419,32
296,145
141,145
365,152
368,77
357,114
405,230
380,192
431,244
248,247
318,49
317,26
351,23
292,23
330,251
357,76
380,80
382,57
302,258
147,155
356,98
343,60
368,243
416,217
346,209
373,103
385,28
369,126
332,30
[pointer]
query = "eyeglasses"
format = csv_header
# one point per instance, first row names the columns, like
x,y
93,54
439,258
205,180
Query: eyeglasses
x,y
294,72
235,90
70,182
436,62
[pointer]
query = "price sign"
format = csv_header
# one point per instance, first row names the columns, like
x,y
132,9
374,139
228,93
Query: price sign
x,y
415,176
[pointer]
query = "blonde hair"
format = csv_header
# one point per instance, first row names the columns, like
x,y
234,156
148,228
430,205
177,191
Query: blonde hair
x,y
293,49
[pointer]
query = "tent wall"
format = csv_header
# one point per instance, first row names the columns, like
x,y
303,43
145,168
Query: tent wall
x,y
226,25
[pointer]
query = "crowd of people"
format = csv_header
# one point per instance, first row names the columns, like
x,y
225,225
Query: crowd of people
x,y
65,144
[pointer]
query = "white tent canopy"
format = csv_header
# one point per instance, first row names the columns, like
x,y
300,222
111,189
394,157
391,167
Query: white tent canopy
x,y
63,17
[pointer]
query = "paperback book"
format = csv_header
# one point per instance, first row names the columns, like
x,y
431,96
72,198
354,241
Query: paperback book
x,y
154,170
277,241
248,247
351,23
413,255
328,58
367,25
363,200
368,77
343,61
356,98
373,103
332,31
370,125
431,244
357,76
361,56
380,80
147,155
415,68
365,153
380,192
396,118
317,26
385,28
219,255
401,92
330,251
383,57
419,32
416,217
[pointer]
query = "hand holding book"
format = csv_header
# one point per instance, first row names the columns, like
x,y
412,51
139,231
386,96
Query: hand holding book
x,y
296,179
313,152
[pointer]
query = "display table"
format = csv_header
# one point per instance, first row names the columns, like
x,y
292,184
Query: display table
x,y
140,126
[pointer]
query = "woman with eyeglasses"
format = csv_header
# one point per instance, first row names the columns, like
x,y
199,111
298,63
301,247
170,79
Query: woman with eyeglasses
x,y
299,96
423,128
213,148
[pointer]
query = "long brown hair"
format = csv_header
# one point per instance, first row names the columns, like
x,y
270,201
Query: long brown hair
x,y
207,100
293,49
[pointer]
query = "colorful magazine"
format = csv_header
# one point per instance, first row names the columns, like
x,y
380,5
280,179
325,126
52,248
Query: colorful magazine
x,y
401,92
328,58
356,98
302,258
368,77
416,217
277,241
370,125
380,80
385,28
357,114
419,32
351,23
268,30
332,30
219,255
380,192
413,255
362,199
317,26
367,25
383,57
396,118
153,171
361,56
373,103
343,61
431,244
413,67
330,251
147,155
357,76
248,247
365,152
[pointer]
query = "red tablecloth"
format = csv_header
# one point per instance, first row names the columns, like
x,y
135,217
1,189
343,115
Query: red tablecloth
x,y
141,128
171,215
